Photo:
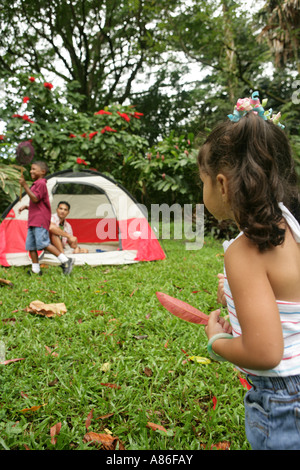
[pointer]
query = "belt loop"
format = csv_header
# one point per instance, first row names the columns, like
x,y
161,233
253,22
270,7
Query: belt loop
x,y
291,383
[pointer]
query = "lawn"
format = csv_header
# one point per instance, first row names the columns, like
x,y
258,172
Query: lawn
x,y
116,361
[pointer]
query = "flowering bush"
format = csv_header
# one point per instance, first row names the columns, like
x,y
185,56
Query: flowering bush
x,y
168,173
107,140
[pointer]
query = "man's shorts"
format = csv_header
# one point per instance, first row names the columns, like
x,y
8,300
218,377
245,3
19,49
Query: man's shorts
x,y
37,239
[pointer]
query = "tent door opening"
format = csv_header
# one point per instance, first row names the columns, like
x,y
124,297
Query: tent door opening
x,y
91,215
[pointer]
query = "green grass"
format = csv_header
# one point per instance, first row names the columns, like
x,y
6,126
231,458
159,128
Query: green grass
x,y
115,331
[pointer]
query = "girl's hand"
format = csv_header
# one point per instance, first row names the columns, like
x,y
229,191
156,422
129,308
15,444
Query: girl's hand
x,y
221,299
217,324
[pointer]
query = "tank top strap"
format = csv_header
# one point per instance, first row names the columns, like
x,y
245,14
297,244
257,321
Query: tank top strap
x,y
291,221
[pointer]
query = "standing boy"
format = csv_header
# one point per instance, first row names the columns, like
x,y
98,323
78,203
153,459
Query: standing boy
x,y
39,216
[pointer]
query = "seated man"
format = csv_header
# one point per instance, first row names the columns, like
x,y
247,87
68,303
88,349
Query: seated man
x,y
61,233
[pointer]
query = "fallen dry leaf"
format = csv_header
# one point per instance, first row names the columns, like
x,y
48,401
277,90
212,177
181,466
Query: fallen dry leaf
x,y
200,359
105,367
53,382
12,360
106,416
215,401
49,351
245,383
33,408
4,282
221,446
133,292
54,431
106,441
155,427
148,372
47,310
89,419
110,385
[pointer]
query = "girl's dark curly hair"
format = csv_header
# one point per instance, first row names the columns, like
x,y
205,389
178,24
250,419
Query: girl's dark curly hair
x,y
255,155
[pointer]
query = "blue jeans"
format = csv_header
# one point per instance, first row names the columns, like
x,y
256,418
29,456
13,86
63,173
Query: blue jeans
x,y
272,413
37,239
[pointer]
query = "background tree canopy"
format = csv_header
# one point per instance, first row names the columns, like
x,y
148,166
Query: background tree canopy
x,y
180,65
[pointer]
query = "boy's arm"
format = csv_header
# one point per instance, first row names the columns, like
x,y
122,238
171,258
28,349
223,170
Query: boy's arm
x,y
58,231
22,208
31,195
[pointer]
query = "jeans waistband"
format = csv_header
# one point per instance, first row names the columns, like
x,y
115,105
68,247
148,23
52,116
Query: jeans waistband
x,y
290,383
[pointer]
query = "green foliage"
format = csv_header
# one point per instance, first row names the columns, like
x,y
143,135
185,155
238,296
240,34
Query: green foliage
x,y
9,182
108,140
60,134
169,173
101,45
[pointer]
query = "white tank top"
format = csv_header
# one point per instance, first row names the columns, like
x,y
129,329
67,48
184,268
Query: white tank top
x,y
289,317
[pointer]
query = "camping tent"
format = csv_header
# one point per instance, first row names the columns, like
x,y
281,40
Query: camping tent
x,y
104,216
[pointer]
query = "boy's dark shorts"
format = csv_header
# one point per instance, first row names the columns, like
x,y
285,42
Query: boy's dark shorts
x,y
37,239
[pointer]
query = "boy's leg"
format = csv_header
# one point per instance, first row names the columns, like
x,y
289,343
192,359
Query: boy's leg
x,y
31,247
66,263
43,243
56,242
34,256
35,267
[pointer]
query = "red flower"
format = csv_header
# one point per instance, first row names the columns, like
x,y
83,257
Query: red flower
x,y
83,135
72,135
1,137
102,111
137,115
48,85
24,117
25,99
81,161
32,79
163,176
107,129
92,134
124,116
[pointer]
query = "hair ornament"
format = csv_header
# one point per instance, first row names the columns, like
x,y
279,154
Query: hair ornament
x,y
253,104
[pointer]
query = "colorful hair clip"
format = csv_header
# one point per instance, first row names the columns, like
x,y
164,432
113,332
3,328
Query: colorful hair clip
x,y
253,104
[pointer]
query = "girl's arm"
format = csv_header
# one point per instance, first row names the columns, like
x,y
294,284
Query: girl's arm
x,y
261,344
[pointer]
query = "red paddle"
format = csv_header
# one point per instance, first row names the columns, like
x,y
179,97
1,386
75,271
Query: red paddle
x,y
182,309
